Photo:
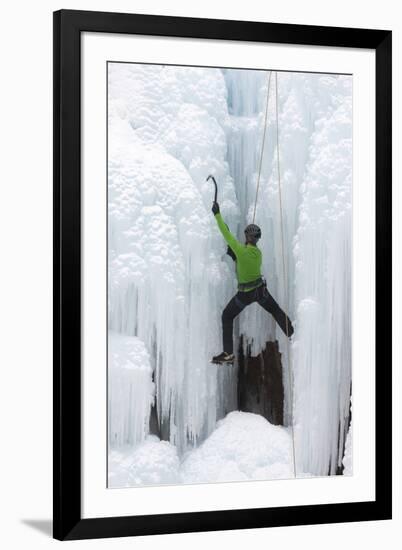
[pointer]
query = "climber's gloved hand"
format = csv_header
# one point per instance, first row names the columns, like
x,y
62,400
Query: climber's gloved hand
x,y
215,208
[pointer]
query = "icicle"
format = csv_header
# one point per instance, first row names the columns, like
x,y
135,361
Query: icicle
x,y
315,127
167,283
131,391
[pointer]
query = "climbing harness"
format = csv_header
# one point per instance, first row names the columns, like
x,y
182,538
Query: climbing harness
x,y
243,287
290,381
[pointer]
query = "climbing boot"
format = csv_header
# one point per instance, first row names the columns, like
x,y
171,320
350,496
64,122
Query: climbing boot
x,y
223,358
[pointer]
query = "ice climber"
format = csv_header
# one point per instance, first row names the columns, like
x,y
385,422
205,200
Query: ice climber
x,y
251,286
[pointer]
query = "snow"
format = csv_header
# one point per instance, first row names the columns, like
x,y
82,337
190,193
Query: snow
x,y
243,446
169,280
153,462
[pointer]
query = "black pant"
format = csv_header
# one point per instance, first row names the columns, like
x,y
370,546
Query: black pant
x,y
242,300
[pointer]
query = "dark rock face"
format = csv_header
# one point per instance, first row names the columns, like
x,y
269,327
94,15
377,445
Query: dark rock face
x,y
259,388
154,427
260,385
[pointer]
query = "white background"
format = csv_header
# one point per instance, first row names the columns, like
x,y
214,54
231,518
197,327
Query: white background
x,y
26,271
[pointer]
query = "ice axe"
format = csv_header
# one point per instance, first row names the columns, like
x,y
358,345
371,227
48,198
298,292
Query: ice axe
x,y
210,177
229,250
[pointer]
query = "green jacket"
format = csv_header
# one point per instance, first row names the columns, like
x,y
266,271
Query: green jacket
x,y
248,256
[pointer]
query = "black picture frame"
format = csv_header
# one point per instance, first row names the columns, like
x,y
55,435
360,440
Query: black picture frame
x,y
67,519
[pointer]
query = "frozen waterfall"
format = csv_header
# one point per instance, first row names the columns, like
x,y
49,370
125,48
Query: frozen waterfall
x,y
169,279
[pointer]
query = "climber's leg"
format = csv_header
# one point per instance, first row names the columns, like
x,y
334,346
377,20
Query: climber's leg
x,y
231,311
268,303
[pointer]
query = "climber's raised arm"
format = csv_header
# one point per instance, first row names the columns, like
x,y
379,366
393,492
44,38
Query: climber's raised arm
x,y
234,244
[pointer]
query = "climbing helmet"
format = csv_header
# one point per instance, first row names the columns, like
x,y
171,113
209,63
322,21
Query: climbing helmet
x,y
253,232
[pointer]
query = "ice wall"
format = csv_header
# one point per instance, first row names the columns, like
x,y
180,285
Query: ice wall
x,y
169,127
131,390
167,283
322,251
315,166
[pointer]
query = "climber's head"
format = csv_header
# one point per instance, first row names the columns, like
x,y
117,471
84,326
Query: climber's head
x,y
252,233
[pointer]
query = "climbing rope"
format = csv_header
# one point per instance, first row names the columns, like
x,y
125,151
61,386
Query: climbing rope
x,y
262,144
282,240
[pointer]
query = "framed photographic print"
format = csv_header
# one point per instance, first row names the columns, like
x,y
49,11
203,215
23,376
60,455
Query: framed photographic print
x,y
222,274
